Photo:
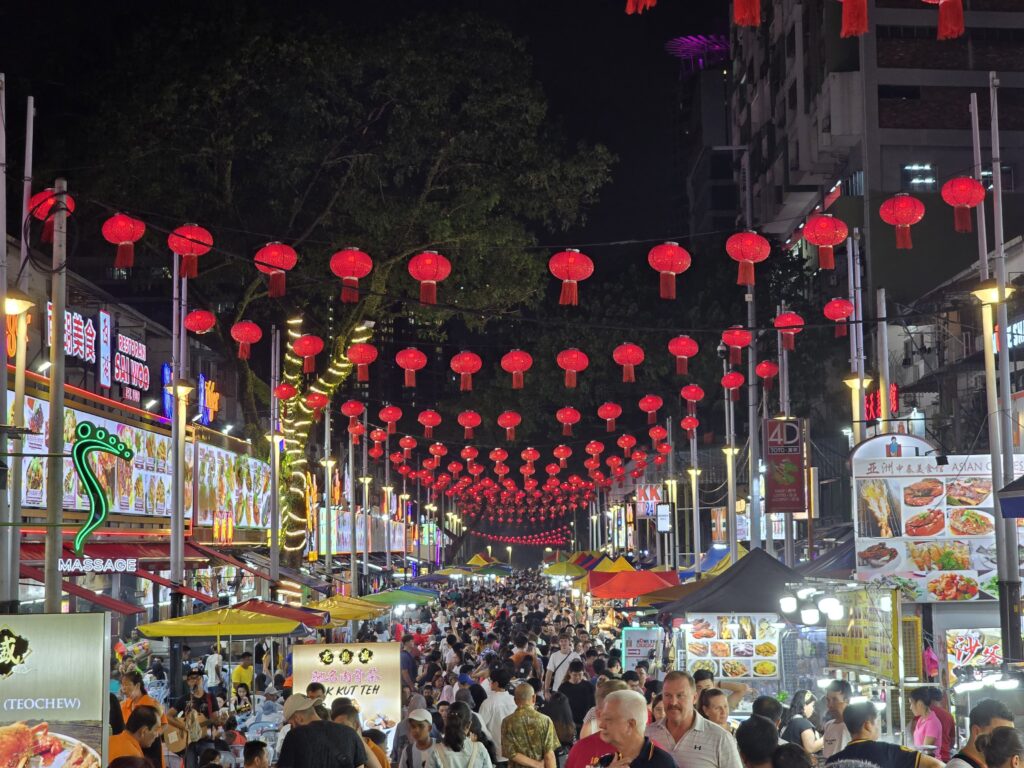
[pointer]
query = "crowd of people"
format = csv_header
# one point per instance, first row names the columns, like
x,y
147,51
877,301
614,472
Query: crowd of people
x,y
513,675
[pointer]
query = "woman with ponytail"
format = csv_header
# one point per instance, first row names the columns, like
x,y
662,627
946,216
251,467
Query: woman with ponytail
x,y
459,749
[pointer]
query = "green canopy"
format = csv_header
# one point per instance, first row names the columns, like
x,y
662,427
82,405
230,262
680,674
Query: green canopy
x,y
494,570
398,597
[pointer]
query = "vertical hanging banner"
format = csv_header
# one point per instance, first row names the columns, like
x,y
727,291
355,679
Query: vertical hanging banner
x,y
784,488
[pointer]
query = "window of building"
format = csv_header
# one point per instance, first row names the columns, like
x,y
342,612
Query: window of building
x,y
986,177
899,92
919,177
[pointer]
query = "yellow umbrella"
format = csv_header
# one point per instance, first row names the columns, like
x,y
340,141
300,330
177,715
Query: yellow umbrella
x,y
481,559
614,566
343,608
565,568
455,570
220,623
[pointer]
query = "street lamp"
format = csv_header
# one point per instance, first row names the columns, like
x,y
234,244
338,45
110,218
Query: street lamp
x,y
857,387
509,550
694,474
17,302
730,474
180,389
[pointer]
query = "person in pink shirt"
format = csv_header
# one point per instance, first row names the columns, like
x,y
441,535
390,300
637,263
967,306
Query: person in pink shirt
x,y
928,727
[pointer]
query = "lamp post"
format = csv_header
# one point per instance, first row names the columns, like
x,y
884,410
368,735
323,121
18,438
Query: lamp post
x,y
388,490
403,499
430,508
694,473
858,386
488,550
366,480
509,550
328,463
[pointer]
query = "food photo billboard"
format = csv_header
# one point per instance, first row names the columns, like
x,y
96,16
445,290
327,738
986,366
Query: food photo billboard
x,y
926,529
54,693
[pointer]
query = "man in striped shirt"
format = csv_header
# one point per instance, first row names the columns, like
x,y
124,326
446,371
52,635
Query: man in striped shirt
x,y
693,741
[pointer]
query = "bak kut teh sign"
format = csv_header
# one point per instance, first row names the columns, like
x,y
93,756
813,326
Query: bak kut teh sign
x,y
366,673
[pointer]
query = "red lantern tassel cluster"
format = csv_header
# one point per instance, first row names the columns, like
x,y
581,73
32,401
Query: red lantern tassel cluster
x,y
350,290
951,20
826,257
841,329
570,295
510,433
639,6
410,377
855,18
570,379
789,342
276,286
466,382
745,276
746,13
628,373
428,292
667,285
517,380
243,350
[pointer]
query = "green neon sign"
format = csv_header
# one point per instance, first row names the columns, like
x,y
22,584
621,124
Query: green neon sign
x,y
90,438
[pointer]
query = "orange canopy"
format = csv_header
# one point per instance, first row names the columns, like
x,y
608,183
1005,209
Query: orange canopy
x,y
626,585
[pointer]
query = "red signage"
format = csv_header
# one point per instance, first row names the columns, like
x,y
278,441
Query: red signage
x,y
784,459
873,403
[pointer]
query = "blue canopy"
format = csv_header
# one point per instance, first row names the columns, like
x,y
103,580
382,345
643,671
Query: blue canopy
x,y
711,558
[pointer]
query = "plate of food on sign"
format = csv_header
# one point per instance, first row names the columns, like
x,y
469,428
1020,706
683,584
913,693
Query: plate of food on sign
x,y
923,493
929,522
949,587
971,522
968,491
880,557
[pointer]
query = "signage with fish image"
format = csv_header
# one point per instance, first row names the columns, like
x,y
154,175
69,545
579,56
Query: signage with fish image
x,y
733,645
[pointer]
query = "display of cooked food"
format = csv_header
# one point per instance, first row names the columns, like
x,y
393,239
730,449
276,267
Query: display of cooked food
x,y
718,648
923,492
34,475
732,668
878,510
927,523
970,522
709,664
743,648
766,649
953,586
702,630
19,743
766,630
939,555
765,668
877,555
725,630
746,628
697,649
967,491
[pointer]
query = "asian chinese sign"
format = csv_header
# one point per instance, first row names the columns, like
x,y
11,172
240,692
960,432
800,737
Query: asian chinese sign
x,y
79,334
367,673
873,403
971,653
784,457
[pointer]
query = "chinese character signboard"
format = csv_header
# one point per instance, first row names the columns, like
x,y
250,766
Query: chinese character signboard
x,y
130,368
784,458
367,673
873,403
79,334
639,644
54,693
733,646
971,653
865,639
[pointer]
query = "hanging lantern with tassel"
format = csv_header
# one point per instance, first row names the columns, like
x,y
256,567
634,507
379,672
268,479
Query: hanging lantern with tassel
x,y
124,232
350,264
789,324
838,310
629,356
736,339
316,402
411,360
390,415
567,417
902,211
190,241
570,266
731,383
361,356
690,424
246,333
466,364
200,321
429,419
573,362
855,18
508,421
353,409
609,412
42,205
650,404
275,259
963,193
429,268
826,232
951,18
308,347
668,260
767,370
692,394
682,348
468,420
748,249
517,363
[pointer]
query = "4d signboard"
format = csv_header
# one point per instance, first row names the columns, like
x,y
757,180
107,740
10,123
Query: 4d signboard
x,y
784,457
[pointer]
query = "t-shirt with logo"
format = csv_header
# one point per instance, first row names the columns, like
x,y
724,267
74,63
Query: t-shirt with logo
x,y
704,745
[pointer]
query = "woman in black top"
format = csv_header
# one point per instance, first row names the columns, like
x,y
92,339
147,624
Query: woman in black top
x,y
558,709
798,728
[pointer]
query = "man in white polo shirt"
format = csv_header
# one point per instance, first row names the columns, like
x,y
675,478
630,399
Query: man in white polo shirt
x,y
693,741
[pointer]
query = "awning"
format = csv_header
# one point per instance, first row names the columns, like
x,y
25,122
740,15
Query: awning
x,y
107,551
220,622
309,617
628,585
86,594
229,560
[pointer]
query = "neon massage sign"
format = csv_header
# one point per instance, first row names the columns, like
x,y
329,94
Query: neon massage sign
x,y
89,439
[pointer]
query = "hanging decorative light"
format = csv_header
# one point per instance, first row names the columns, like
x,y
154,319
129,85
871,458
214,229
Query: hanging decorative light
x,y
668,260
350,264
731,383
200,321
692,394
826,232
466,364
407,443
190,241
390,415
429,268
124,232
567,416
902,211
609,412
517,363
308,347
767,370
629,356
650,404
789,324
468,420
41,205
838,310
657,433
508,421
316,402
361,355
410,360
747,248
429,418
682,348
246,333
275,259
736,338
570,266
285,392
497,455
963,193
353,409
951,19
690,424
469,453
626,443
562,453
855,18
573,362
746,13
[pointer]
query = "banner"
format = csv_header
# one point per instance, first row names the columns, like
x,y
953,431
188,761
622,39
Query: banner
x,y
784,487
54,693
866,638
664,518
648,497
973,653
367,673
639,644
733,646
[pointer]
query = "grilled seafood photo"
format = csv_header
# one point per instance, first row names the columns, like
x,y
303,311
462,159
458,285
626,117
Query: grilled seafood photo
x,y
923,492
968,491
878,509
20,742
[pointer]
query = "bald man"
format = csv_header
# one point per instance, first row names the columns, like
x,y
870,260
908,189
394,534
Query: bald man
x,y
527,737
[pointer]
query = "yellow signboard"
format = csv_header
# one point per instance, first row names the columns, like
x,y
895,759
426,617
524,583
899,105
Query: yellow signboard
x,y
867,638
367,673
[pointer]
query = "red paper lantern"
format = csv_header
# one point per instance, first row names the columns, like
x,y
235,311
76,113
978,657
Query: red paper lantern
x,y
650,404
855,18
838,310
552,469
123,231
731,383
353,409
746,13
407,443
570,266
736,339
902,211
316,402
767,370
951,18
42,204
748,249
789,324
826,232
350,264
190,241
682,348
378,436
285,391
466,364
200,321
508,421
361,355
609,412
469,453
246,333
567,416
429,419
410,360
628,356
308,347
669,260
594,448
963,193
562,453
529,455
626,443
468,420
517,363
437,450
429,268
455,468
690,424
573,362
497,455
390,415
275,259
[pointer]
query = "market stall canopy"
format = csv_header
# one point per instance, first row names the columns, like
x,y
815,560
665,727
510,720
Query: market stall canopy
x,y
578,558
753,584
715,561
220,622
628,585
430,578
394,597
838,563
481,559
343,608
672,594
431,593
497,569
308,617
455,570
618,565
565,568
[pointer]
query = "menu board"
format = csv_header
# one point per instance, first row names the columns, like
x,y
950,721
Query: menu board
x,y
925,529
733,646
866,638
639,644
231,485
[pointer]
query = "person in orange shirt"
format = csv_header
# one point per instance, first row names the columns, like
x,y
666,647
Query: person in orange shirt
x,y
134,693
140,731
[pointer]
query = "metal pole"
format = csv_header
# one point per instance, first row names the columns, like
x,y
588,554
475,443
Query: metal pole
x,y
354,573
695,502
328,515
1014,649
994,427
982,223
275,456
177,559
858,332
730,465
851,293
882,346
366,501
55,446
8,588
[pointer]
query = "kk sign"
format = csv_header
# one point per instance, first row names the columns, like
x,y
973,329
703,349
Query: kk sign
x,y
647,499
784,458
